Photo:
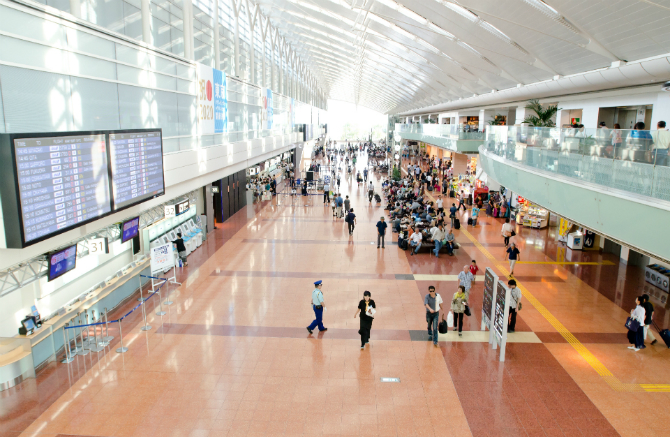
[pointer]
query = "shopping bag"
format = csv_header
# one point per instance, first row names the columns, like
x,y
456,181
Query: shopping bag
x,y
450,319
467,311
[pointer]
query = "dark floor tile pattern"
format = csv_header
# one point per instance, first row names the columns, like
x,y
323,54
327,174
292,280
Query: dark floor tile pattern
x,y
319,242
311,275
529,278
528,394
280,332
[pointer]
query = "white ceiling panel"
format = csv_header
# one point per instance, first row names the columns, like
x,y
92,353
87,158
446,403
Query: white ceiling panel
x,y
402,55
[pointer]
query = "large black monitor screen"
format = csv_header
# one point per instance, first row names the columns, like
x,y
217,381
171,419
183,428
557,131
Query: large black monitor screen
x,y
137,167
63,182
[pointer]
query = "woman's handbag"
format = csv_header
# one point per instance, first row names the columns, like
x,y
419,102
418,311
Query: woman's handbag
x,y
632,324
513,233
467,311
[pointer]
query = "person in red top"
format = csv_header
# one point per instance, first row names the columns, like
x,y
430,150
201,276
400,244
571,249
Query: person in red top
x,y
474,269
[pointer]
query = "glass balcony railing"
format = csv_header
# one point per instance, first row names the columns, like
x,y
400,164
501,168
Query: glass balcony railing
x,y
629,160
451,131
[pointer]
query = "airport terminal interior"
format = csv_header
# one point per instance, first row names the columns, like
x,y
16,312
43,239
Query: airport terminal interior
x,y
334,218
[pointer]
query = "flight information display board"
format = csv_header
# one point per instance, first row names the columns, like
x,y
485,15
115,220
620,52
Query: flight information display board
x,y
137,167
500,321
63,182
487,302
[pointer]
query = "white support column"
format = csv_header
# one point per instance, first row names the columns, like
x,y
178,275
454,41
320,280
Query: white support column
x,y
252,54
280,83
236,50
147,37
188,29
75,8
264,38
217,50
273,60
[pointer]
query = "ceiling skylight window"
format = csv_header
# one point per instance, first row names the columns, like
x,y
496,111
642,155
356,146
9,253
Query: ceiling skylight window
x,y
435,28
403,10
460,10
551,13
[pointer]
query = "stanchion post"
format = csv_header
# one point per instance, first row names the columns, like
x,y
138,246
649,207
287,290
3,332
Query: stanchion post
x,y
96,347
167,296
66,345
144,312
140,299
160,302
84,350
122,349
107,338
74,330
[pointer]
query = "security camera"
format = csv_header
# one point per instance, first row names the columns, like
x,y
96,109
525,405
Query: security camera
x,y
666,86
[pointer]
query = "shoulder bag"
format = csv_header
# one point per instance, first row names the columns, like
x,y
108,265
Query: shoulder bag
x,y
632,324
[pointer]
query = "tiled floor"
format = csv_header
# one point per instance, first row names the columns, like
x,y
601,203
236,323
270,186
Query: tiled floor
x,y
232,356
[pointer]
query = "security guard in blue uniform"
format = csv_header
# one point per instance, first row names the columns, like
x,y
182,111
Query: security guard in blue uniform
x,y
318,305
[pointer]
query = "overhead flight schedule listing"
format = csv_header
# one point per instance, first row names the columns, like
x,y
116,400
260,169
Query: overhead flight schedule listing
x,y
137,167
63,181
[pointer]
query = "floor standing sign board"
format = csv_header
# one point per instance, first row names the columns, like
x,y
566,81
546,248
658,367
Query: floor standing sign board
x,y
490,284
500,317
162,260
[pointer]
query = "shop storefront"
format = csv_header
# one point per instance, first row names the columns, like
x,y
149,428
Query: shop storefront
x,y
531,215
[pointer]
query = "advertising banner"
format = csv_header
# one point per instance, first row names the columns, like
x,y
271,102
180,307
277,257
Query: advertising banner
x,y
162,258
267,108
212,101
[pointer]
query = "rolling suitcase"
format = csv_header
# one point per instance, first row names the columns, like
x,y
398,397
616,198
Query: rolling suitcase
x,y
457,224
665,335
452,194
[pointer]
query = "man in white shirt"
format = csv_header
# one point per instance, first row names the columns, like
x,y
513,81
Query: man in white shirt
x,y
661,139
433,304
371,191
440,204
415,241
438,237
515,298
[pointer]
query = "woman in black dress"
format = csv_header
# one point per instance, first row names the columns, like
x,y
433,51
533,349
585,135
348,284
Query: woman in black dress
x,y
365,307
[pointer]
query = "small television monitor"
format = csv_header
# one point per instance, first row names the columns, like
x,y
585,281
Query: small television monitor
x,y
62,261
130,229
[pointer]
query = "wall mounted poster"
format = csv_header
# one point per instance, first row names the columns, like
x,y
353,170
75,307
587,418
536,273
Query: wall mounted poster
x,y
212,100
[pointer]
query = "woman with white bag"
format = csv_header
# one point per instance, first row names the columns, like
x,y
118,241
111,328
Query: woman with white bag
x,y
367,308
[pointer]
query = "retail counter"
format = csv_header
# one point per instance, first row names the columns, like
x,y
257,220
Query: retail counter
x,y
20,355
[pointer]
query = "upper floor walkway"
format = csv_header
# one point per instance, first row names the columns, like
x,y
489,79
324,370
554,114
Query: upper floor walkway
x,y
453,137
616,182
